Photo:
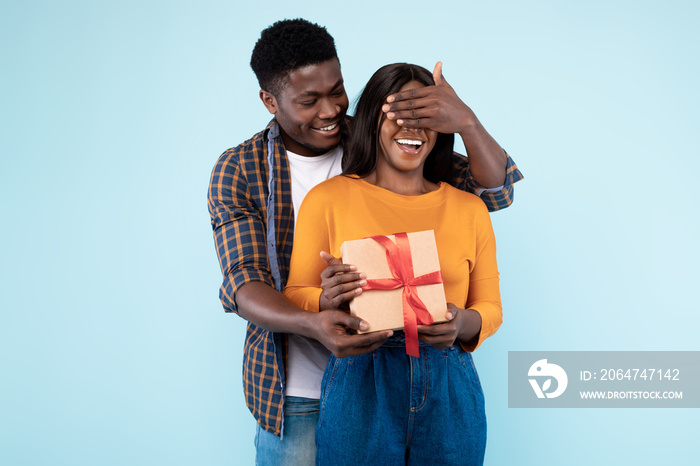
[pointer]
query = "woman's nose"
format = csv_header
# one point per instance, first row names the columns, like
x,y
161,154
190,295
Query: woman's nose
x,y
413,130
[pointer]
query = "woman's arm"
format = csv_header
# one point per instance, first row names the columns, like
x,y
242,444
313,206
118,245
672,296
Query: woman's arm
x,y
319,281
484,293
310,238
303,286
482,314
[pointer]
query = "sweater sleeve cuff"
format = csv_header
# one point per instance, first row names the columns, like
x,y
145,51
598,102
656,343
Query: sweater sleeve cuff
x,y
491,319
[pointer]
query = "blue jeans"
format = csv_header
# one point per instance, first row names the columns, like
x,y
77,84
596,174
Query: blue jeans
x,y
297,448
387,408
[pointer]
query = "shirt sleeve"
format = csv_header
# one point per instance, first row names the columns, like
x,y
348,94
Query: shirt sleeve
x,y
494,198
484,294
239,229
311,236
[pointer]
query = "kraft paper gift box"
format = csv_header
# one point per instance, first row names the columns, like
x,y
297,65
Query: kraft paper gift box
x,y
384,309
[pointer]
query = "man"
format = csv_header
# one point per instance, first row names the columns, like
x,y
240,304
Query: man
x,y
256,189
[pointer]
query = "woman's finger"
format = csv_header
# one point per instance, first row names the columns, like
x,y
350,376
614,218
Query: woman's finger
x,y
345,297
338,269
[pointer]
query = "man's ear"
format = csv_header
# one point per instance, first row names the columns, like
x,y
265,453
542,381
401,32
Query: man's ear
x,y
269,101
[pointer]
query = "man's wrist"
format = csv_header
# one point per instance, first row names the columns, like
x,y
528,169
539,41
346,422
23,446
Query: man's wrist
x,y
269,309
308,325
470,128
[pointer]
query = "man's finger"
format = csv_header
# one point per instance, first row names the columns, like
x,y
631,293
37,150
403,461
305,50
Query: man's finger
x,y
362,344
406,100
417,123
438,77
366,349
367,339
414,114
352,322
437,73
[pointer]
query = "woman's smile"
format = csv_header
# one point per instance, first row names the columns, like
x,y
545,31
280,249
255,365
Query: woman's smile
x,y
409,145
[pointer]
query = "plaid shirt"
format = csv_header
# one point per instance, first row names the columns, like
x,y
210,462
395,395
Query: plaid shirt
x,y
250,204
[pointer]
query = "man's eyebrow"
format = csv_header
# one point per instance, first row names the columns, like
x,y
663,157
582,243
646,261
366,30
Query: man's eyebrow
x,y
316,93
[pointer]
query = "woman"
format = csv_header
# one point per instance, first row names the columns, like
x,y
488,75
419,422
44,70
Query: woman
x,y
386,407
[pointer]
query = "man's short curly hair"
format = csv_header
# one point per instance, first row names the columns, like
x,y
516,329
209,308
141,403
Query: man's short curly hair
x,y
286,46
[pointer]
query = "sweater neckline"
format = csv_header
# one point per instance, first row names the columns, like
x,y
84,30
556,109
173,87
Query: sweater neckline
x,y
401,197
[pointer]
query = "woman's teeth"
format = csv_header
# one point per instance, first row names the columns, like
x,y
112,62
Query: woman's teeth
x,y
410,142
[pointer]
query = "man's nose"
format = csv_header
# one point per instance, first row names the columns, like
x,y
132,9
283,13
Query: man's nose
x,y
329,109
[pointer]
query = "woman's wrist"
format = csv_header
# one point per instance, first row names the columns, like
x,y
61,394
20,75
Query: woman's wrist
x,y
470,327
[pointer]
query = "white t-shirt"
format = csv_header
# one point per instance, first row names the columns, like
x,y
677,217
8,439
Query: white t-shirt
x,y
307,358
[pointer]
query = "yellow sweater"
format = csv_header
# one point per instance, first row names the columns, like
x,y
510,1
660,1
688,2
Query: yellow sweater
x,y
342,209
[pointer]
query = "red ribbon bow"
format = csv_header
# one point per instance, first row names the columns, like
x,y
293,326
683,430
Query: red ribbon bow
x,y
398,256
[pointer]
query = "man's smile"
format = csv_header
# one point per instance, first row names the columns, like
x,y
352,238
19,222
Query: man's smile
x,y
329,130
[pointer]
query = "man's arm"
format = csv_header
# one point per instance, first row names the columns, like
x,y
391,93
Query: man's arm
x,y
494,198
440,108
269,309
247,288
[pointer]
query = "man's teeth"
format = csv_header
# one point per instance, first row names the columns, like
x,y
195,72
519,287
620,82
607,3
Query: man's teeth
x,y
412,142
329,128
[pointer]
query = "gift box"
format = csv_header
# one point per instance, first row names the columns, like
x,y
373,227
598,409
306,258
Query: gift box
x,y
404,283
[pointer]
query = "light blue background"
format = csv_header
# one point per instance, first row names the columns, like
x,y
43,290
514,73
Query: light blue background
x,y
114,347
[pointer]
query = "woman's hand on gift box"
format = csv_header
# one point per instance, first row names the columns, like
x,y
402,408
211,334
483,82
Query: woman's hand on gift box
x,y
340,283
462,324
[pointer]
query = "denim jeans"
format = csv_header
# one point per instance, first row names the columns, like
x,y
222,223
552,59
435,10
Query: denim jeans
x,y
387,408
297,448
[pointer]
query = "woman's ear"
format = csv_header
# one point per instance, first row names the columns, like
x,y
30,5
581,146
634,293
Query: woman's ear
x,y
269,101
